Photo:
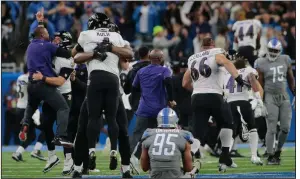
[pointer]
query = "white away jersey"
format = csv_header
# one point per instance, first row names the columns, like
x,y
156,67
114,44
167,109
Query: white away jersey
x,y
89,39
22,83
233,91
60,63
246,32
205,72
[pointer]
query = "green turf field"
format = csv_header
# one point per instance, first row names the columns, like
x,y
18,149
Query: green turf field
x,y
32,168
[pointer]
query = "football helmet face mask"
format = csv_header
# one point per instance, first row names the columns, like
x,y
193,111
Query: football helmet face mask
x,y
113,28
98,20
167,118
274,49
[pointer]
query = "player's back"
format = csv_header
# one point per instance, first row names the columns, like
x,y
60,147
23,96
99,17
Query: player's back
x,y
205,72
246,32
22,83
235,92
89,40
275,73
165,149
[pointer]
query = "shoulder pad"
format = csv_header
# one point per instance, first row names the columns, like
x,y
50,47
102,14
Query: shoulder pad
x,y
188,136
147,133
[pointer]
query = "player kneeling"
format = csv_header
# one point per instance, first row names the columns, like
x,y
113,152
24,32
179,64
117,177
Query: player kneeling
x,y
165,146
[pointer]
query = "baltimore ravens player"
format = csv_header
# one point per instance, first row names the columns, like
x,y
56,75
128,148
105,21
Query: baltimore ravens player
x,y
62,67
238,98
275,71
164,147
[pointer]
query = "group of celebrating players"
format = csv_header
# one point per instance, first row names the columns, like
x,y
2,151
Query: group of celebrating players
x,y
225,88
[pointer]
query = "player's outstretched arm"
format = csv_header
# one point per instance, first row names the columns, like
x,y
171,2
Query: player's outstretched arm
x,y
187,158
256,87
187,81
260,77
145,161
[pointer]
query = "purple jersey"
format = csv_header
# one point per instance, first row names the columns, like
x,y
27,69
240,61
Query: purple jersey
x,y
154,95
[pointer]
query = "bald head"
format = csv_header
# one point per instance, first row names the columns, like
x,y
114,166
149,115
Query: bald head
x,y
41,33
156,56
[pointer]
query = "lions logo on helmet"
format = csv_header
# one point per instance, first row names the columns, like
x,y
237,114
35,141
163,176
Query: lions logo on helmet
x,y
274,49
167,118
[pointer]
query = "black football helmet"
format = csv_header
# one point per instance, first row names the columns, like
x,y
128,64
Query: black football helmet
x,y
98,20
66,39
114,28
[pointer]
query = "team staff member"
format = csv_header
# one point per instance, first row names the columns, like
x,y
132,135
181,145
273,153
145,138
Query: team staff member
x,y
155,83
40,53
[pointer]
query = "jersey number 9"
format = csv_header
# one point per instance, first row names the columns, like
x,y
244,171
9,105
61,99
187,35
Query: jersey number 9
x,y
161,145
204,70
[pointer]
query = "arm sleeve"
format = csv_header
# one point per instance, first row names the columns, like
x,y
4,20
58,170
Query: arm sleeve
x,y
169,87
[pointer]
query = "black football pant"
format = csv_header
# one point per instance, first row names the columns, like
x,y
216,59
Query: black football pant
x,y
39,91
248,52
102,94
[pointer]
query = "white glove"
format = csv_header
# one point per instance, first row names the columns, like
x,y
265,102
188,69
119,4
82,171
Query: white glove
x,y
36,117
259,108
253,103
264,111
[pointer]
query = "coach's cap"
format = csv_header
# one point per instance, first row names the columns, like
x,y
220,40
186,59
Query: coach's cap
x,y
157,29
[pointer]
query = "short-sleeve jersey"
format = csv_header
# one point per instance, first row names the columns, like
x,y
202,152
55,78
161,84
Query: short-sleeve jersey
x,y
246,32
22,83
165,147
62,64
205,72
233,91
89,39
274,73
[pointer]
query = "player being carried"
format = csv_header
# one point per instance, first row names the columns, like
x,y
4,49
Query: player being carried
x,y
165,146
241,108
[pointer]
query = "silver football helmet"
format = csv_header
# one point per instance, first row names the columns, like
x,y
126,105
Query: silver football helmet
x,y
167,118
274,49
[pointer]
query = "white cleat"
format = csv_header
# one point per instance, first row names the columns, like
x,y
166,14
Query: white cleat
x,y
68,167
256,160
51,162
134,165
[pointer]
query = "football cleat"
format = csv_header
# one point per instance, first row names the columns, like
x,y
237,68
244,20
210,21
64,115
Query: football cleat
x,y
76,174
17,156
68,167
256,160
37,154
113,160
134,165
51,162
92,161
62,142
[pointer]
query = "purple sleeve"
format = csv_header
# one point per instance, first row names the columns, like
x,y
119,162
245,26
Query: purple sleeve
x,y
136,81
167,73
52,48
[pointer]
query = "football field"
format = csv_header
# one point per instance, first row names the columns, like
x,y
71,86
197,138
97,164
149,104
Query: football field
x,y
32,168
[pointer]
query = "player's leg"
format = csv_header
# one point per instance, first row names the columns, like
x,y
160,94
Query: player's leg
x,y
124,145
49,116
36,153
271,119
112,97
81,143
248,116
17,156
285,117
223,116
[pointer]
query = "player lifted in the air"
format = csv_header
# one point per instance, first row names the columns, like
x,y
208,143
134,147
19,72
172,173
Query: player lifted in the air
x,y
238,98
274,71
247,37
165,146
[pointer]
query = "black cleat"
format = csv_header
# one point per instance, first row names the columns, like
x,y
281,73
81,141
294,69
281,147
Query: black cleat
x,y
265,155
273,160
113,160
92,161
76,174
127,174
38,155
85,171
235,153
17,156
62,142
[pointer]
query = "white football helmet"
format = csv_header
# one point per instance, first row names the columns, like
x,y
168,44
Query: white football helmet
x,y
274,49
167,118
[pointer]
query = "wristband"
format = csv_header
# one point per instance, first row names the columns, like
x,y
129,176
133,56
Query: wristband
x,y
44,79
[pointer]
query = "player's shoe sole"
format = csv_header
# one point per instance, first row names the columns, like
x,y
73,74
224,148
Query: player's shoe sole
x,y
16,157
56,162
38,156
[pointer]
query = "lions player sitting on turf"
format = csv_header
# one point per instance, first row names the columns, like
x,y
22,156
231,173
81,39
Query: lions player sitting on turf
x,y
165,146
